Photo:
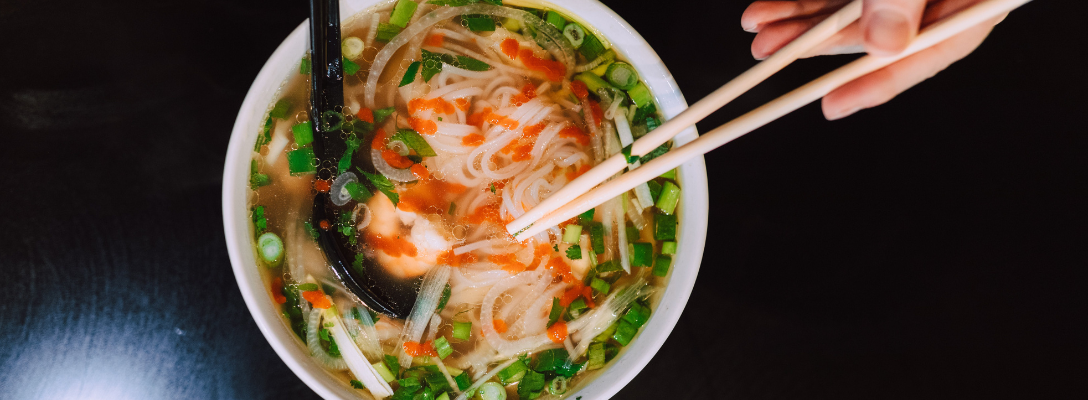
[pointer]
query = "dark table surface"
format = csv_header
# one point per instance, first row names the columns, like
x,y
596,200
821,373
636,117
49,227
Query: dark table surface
x,y
934,247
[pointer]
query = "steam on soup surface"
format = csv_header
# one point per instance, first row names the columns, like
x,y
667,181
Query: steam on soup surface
x,y
459,117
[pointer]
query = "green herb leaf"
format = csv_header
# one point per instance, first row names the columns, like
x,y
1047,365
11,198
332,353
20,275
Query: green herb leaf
x,y
410,74
415,142
257,179
311,230
655,153
304,66
492,187
627,154
383,185
574,252
453,208
556,312
431,65
258,219
471,64
531,385
350,67
280,109
479,23
356,384
386,32
383,113
444,299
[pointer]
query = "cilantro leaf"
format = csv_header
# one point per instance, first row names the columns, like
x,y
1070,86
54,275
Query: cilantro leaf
x,y
383,185
414,141
655,153
574,252
627,154
356,384
410,74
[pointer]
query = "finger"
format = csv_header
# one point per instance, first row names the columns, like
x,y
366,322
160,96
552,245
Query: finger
x,y
761,13
890,25
776,35
884,84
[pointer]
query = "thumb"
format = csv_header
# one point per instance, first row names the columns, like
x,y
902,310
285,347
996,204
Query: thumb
x,y
890,25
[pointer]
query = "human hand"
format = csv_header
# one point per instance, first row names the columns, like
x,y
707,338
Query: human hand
x,y
886,27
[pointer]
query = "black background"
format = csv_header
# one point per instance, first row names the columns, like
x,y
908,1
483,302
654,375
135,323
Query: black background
x,y
933,247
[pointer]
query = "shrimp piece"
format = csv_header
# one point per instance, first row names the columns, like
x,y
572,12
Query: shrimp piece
x,y
405,230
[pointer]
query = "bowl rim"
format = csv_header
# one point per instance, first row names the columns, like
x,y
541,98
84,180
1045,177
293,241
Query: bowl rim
x,y
693,212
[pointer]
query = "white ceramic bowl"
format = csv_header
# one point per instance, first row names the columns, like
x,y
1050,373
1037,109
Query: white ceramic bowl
x,y
236,220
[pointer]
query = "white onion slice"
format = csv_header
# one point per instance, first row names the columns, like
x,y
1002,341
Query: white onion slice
x,y
394,174
426,302
338,192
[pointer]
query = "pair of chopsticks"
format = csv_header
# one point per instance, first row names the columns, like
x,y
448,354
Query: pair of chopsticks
x,y
580,195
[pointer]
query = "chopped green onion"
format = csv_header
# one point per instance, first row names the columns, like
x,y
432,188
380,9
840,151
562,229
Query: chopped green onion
x,y
557,361
306,287
668,248
593,82
382,113
280,109
384,371
414,141
670,175
556,20
511,24
444,299
661,264
443,396
352,47
600,285
643,111
572,233
603,337
609,266
622,75
271,249
637,315
463,380
633,235
575,34
624,332
559,385
386,32
462,330
513,373
350,67
596,356
670,196
640,94
587,216
596,237
664,227
655,190
591,47
301,161
410,74
574,252
453,208
479,23
442,347
304,133
304,66
492,391
403,12
555,313
641,254
576,307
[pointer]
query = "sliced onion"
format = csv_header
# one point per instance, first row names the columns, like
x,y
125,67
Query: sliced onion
x,y
430,292
366,216
333,363
337,192
394,174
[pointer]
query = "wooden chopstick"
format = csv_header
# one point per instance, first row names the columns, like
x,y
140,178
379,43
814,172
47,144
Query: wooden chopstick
x,y
712,102
754,119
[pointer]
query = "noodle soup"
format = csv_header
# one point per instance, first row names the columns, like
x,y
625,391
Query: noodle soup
x,y
458,119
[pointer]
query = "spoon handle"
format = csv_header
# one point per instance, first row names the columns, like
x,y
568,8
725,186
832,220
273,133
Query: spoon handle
x,y
326,79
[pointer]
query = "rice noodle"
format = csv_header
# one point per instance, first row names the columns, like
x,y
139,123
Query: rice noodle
x,y
430,291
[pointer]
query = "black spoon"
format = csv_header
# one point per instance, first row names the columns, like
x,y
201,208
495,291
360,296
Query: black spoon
x,y
381,293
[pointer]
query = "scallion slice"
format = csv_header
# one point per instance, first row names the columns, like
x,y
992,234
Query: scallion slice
x,y
641,254
591,47
384,371
664,227
352,47
513,373
280,109
555,313
403,12
640,94
624,332
304,133
622,75
661,264
593,82
462,330
556,20
668,248
301,161
670,197
596,356
271,247
491,391
572,234
386,32
600,285
575,34
670,175
596,237
442,347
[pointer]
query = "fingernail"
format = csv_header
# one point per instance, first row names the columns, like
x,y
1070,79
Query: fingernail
x,y
842,113
888,33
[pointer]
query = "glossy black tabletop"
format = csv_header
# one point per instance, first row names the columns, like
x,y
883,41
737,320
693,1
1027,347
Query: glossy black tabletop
x,y
933,247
